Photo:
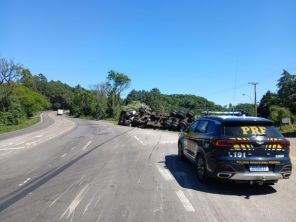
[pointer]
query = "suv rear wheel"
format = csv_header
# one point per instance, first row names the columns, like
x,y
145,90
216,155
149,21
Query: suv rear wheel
x,y
201,169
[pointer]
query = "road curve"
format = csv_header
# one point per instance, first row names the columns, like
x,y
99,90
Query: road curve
x,y
81,170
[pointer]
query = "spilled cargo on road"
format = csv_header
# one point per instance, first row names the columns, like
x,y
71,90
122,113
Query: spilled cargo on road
x,y
145,119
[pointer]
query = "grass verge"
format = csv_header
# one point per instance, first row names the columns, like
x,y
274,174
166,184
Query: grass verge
x,y
29,122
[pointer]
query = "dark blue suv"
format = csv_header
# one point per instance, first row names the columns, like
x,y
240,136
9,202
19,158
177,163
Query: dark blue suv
x,y
232,146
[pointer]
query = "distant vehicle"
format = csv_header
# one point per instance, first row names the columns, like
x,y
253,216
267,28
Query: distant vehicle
x,y
60,112
232,146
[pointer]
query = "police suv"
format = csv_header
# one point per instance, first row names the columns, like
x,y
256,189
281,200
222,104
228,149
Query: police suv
x,y
232,146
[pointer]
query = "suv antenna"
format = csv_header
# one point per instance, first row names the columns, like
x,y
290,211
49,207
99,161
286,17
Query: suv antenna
x,y
235,85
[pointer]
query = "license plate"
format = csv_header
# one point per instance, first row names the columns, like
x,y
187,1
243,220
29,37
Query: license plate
x,y
259,168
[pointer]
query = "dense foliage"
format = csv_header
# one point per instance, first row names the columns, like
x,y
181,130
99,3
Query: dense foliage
x,y
277,106
22,103
165,103
23,95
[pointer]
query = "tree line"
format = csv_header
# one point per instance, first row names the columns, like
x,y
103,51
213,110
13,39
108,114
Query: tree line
x,y
23,95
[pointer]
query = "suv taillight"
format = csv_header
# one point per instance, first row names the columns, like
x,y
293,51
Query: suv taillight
x,y
224,142
287,168
282,143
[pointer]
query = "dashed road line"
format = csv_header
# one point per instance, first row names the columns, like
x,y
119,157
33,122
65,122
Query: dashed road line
x,y
187,205
14,148
165,173
184,200
86,145
27,180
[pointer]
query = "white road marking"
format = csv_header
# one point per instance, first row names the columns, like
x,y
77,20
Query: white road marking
x,y
86,208
165,173
97,200
14,148
137,138
39,136
20,143
64,155
71,209
187,205
27,180
65,191
86,145
29,144
100,216
80,181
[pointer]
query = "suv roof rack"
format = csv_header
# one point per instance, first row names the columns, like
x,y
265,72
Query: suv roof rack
x,y
233,113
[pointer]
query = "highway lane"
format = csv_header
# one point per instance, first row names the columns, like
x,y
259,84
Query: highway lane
x,y
49,127
95,171
45,121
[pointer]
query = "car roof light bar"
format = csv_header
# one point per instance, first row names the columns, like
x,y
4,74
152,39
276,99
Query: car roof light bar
x,y
234,113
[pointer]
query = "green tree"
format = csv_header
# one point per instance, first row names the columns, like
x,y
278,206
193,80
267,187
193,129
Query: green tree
x,y
28,80
59,94
287,91
22,103
155,100
132,96
31,101
10,72
117,82
268,100
278,113
246,107
15,114
83,103
100,92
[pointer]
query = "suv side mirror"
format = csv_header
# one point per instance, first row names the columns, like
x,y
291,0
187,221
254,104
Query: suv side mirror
x,y
184,129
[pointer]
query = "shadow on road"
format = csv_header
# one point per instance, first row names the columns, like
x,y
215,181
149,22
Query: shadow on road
x,y
185,175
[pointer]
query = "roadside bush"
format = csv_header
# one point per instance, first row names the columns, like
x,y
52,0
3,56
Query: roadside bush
x,y
14,116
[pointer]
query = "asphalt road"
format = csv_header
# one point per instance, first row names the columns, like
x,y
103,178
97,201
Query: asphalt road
x,y
66,169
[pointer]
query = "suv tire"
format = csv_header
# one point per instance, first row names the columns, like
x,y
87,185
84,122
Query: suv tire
x,y
180,152
201,169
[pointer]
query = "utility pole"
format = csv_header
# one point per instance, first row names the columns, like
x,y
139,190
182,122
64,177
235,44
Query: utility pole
x,y
255,99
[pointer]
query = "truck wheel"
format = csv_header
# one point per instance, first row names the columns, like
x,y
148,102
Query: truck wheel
x,y
180,115
173,113
183,124
190,114
174,126
167,124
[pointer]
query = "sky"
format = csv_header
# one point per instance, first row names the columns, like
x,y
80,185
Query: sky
x,y
208,48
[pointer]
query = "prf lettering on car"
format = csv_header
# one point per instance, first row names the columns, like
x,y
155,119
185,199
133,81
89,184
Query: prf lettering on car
x,y
241,143
253,130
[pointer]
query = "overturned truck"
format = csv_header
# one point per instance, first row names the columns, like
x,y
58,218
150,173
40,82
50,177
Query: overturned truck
x,y
145,119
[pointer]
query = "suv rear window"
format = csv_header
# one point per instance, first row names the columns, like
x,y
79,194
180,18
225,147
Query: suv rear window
x,y
248,130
